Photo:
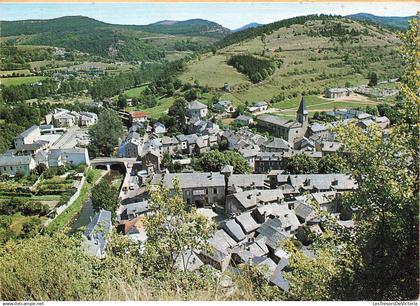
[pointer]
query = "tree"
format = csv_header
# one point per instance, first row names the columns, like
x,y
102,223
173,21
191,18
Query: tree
x,y
332,163
31,227
167,162
385,250
215,160
373,79
104,196
172,229
178,113
122,102
106,132
302,164
192,94
40,168
45,268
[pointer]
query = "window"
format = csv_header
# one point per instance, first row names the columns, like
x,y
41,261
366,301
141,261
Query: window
x,y
215,190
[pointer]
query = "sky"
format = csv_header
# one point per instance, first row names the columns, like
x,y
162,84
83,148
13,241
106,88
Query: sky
x,y
230,15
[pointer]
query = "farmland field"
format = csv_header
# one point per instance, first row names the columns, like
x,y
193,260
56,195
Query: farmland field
x,y
21,80
310,64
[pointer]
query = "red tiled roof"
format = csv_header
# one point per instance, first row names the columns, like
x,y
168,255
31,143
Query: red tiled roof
x,y
136,222
138,114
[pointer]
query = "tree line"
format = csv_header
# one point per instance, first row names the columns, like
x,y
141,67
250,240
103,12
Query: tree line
x,y
256,69
106,86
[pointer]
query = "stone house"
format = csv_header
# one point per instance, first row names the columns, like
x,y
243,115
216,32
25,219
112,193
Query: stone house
x,y
199,189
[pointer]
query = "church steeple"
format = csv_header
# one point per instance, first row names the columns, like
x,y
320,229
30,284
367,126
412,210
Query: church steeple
x,y
302,113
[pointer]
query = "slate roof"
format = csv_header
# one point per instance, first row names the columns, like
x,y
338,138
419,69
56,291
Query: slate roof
x,y
222,241
318,181
169,140
188,261
243,118
331,146
223,103
196,105
275,120
97,232
271,230
316,127
234,230
268,156
278,279
195,179
324,197
286,216
262,103
303,210
249,180
10,160
251,198
277,143
267,267
247,222
137,208
227,169
28,131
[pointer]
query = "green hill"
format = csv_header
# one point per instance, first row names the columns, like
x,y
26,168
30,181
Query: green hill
x,y
315,52
192,27
122,42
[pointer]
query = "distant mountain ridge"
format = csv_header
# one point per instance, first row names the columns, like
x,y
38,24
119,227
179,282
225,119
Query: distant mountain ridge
x,y
199,27
395,22
248,26
123,42
194,27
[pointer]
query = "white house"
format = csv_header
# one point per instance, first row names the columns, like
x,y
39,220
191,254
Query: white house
x,y
29,136
197,109
11,164
75,157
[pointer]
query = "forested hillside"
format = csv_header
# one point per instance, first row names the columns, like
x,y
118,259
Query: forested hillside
x,y
121,42
256,69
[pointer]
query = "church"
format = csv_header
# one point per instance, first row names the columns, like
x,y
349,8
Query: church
x,y
289,130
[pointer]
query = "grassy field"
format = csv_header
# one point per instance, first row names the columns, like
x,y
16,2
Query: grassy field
x,y
10,72
66,216
212,71
310,64
158,110
21,80
134,92
18,220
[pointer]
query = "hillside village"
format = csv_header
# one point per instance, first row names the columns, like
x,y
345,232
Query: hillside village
x,y
272,144
254,211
